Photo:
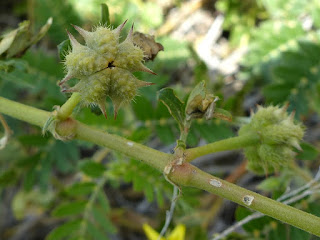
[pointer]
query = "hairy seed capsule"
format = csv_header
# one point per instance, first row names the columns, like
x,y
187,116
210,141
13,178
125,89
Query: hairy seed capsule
x,y
279,134
84,63
104,67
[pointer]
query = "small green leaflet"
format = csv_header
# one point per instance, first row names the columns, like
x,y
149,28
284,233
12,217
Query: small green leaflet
x,y
309,152
8,177
105,18
143,108
270,184
64,230
63,49
82,188
69,209
101,218
91,168
174,105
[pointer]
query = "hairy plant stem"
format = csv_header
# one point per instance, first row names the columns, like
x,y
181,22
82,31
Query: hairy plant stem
x,y
23,112
181,173
189,175
66,109
148,155
185,131
39,117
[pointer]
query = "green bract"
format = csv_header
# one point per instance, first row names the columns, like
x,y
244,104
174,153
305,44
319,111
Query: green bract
x,y
278,135
104,67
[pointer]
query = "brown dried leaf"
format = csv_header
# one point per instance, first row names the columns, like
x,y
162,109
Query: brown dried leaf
x,y
147,43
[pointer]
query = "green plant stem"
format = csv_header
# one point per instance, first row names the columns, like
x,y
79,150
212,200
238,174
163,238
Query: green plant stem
x,y
66,109
223,145
184,133
39,117
23,112
148,155
182,173
189,175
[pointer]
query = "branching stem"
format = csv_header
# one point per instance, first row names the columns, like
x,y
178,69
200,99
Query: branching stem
x,y
182,173
239,142
66,109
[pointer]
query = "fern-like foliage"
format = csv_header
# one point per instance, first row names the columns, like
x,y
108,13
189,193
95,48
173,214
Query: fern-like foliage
x,y
240,17
143,178
293,9
36,168
37,73
269,40
296,78
152,183
86,211
34,157
283,53
289,22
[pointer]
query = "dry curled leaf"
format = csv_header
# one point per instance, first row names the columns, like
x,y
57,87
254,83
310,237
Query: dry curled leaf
x,y
202,104
17,41
147,43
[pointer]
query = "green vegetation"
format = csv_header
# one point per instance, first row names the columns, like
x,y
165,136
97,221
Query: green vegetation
x,y
82,175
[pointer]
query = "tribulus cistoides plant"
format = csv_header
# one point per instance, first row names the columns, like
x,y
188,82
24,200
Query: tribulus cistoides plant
x,y
78,182
104,67
278,133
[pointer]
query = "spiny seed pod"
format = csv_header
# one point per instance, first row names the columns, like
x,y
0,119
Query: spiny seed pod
x,y
104,67
278,135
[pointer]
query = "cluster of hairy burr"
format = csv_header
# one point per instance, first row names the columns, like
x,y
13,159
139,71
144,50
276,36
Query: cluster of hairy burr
x,y
104,67
278,133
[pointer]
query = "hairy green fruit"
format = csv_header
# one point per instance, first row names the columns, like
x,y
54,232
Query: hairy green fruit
x,y
104,67
278,135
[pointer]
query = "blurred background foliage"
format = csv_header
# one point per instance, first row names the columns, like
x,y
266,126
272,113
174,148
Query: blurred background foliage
x,y
264,52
